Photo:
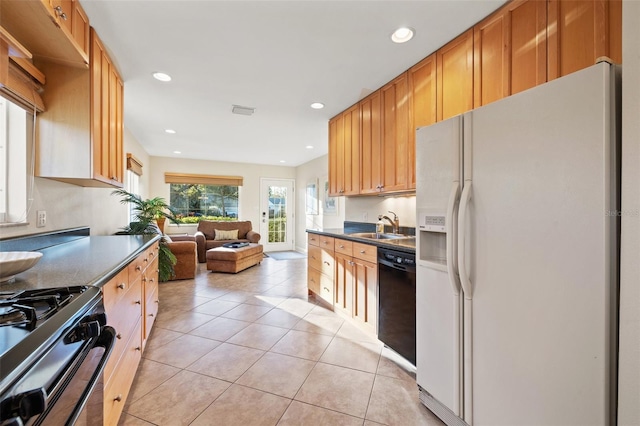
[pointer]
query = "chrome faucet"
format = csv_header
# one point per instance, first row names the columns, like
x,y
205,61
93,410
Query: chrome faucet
x,y
395,223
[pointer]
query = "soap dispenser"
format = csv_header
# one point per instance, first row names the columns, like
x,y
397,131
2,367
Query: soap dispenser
x,y
380,227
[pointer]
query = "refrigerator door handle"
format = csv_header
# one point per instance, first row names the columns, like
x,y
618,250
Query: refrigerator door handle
x,y
451,238
462,222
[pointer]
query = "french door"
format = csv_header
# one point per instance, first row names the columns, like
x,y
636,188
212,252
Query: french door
x,y
277,214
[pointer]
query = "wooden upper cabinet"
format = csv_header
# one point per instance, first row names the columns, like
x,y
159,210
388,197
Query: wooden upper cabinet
x,y
490,60
344,152
370,144
422,106
63,10
333,157
615,30
455,76
80,27
351,151
526,44
579,33
395,134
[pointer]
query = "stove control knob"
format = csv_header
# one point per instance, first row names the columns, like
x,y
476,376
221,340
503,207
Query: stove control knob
x,y
23,406
84,331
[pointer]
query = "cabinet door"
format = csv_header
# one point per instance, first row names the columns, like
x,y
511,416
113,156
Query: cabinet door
x,y
365,290
455,76
422,108
333,157
80,27
351,151
615,30
370,144
395,128
343,291
115,155
490,60
63,10
578,35
97,112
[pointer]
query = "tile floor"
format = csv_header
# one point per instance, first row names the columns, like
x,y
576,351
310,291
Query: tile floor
x,y
252,349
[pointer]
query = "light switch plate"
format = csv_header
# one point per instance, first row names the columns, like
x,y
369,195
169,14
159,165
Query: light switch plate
x,y
42,218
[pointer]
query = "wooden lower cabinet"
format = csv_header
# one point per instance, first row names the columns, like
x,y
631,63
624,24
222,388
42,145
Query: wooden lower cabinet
x,y
321,266
353,282
131,304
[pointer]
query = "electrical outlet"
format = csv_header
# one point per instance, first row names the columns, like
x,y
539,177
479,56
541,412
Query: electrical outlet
x,y
42,218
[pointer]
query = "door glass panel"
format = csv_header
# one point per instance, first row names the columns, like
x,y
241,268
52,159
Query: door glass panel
x,y
277,214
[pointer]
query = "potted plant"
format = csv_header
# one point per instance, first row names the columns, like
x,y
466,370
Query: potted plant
x,y
147,213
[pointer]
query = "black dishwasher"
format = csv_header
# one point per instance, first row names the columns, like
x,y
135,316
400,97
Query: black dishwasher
x,y
397,301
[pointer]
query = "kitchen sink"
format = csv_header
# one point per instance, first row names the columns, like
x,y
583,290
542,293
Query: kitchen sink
x,y
374,236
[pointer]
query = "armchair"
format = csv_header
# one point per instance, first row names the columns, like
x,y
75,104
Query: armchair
x,y
185,249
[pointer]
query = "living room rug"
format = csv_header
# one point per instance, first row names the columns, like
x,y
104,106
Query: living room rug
x,y
286,255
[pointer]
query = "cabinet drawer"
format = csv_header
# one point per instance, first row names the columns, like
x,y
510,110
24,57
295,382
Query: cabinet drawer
x,y
326,288
344,247
313,239
365,252
150,313
123,317
314,259
326,242
117,386
150,277
136,267
115,289
313,280
328,263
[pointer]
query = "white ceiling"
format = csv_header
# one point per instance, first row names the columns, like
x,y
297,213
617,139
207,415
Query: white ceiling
x,y
276,56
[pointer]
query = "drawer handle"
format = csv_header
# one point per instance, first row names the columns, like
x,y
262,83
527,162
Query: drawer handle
x,y
138,302
122,286
144,279
118,398
312,280
326,289
362,251
327,263
138,268
157,301
313,257
138,348
145,260
151,315
341,246
352,263
118,336
151,280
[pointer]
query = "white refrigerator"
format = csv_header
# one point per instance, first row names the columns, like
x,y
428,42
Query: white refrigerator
x,y
517,252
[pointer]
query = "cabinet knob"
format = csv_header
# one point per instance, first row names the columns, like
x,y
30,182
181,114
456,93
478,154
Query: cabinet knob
x,y
118,336
326,289
327,263
145,260
138,302
341,246
122,286
362,252
151,315
138,348
138,268
118,398
144,279
157,301
312,280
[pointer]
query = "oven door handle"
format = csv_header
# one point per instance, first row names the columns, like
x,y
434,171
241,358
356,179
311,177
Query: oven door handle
x,y
106,340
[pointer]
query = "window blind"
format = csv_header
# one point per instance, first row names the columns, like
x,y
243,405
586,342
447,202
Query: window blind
x,y
134,164
185,178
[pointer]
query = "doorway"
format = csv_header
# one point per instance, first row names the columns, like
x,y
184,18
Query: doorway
x,y
277,220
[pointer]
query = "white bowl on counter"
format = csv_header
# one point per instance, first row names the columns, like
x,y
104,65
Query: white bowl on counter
x,y
14,262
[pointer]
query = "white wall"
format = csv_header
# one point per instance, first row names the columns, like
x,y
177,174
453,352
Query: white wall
x,y
249,200
314,171
71,206
629,352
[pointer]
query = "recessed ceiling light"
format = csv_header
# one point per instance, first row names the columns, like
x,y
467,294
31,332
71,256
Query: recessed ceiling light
x,y
177,152
309,146
170,131
161,76
402,35
282,161
317,105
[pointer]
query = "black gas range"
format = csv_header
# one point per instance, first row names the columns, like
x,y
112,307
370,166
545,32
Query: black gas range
x,y
54,344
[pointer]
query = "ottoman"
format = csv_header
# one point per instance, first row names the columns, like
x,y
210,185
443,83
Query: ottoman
x,y
234,260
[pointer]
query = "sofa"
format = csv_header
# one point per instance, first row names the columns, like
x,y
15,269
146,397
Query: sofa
x,y
207,238
185,249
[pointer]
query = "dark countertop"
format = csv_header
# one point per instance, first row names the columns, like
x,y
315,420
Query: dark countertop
x,y
404,245
84,261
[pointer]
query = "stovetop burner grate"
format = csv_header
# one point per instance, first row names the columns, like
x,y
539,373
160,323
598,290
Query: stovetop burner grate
x,y
27,307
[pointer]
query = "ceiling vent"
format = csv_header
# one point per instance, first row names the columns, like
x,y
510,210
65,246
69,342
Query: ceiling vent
x,y
242,110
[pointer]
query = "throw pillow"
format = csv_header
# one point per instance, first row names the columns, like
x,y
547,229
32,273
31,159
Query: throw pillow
x,y
226,235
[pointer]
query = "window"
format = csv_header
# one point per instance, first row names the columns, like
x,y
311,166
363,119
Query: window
x,y
16,172
133,186
204,200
